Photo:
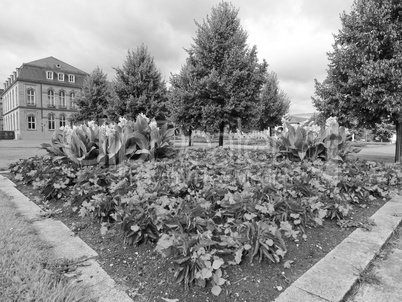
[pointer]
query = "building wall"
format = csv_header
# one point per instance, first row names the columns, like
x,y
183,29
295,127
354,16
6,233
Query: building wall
x,y
1,110
18,109
36,118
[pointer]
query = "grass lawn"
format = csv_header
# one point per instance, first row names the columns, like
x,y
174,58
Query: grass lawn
x,y
23,259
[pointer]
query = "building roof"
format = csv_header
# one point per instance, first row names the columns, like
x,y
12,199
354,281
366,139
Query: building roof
x,y
52,63
296,119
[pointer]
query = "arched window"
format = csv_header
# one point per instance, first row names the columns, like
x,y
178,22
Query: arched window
x,y
72,100
50,121
62,99
50,98
31,122
62,120
30,96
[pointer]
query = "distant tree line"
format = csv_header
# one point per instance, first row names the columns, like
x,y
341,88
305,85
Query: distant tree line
x,y
221,85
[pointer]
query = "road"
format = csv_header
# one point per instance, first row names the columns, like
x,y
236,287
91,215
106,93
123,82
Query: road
x,y
12,150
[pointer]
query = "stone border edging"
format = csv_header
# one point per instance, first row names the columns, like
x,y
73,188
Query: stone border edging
x,y
66,245
331,279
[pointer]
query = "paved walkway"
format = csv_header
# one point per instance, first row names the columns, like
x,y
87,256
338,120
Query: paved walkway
x,y
384,279
385,153
22,143
11,151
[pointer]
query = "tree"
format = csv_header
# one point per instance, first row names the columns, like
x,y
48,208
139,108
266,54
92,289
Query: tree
x,y
94,99
139,87
222,77
364,81
185,112
318,119
274,103
383,132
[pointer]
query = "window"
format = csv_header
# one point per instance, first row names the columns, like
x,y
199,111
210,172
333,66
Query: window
x,y
30,96
50,121
49,75
62,99
62,120
60,76
71,78
50,98
31,122
72,102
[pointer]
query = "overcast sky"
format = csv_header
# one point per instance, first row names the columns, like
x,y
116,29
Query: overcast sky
x,y
293,36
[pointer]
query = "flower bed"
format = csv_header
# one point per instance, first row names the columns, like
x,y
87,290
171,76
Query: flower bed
x,y
207,210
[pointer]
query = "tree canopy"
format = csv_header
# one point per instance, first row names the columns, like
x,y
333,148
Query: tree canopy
x,y
94,99
139,87
221,81
274,104
363,84
364,81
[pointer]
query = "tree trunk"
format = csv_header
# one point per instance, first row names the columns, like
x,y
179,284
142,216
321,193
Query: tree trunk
x,y
189,136
221,132
106,154
398,144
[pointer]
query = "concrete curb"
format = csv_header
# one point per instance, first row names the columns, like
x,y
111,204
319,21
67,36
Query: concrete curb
x,y
333,277
66,245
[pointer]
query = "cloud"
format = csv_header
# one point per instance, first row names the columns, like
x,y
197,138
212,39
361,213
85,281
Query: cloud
x,y
293,36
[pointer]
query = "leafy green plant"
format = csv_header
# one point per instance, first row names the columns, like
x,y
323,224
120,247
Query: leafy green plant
x,y
307,143
299,144
262,240
112,144
337,142
195,259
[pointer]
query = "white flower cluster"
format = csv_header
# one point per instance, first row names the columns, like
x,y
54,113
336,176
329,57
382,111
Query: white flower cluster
x,y
122,122
153,124
91,124
108,130
330,121
312,127
144,117
66,129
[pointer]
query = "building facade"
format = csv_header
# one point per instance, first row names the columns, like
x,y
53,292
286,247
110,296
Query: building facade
x,y
39,97
1,110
